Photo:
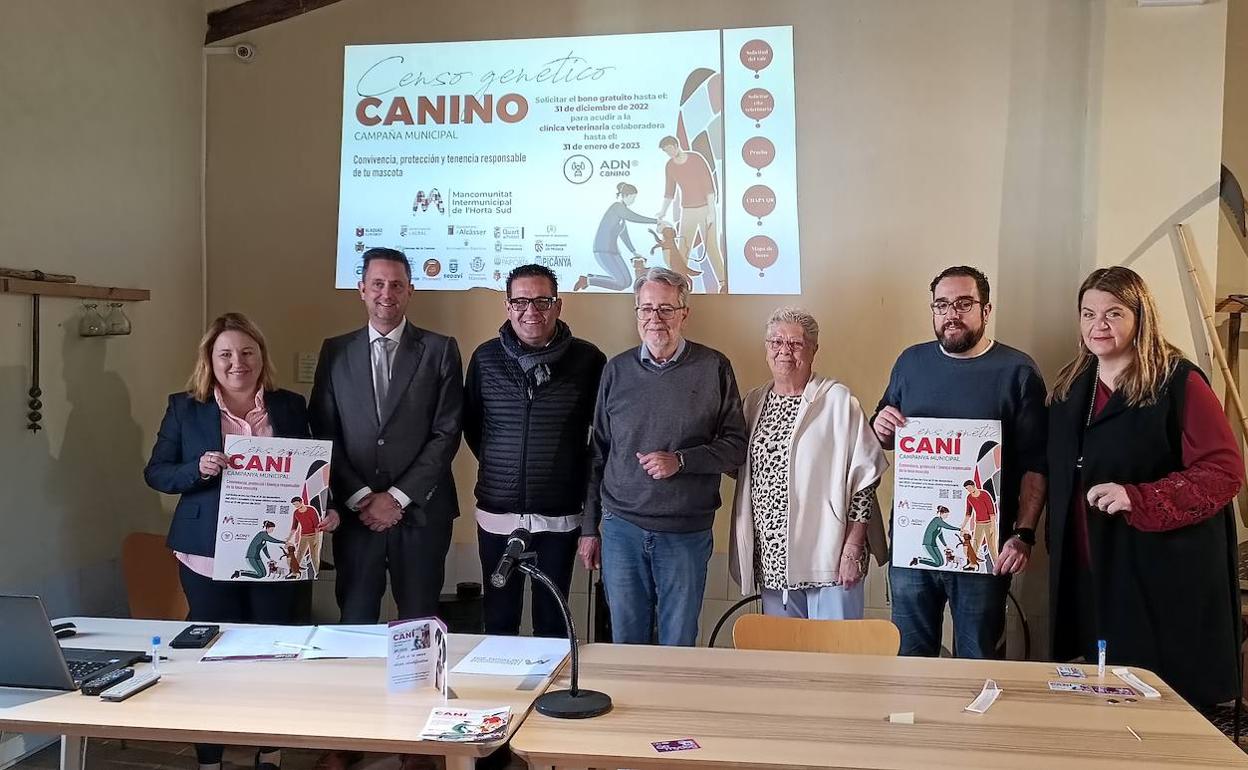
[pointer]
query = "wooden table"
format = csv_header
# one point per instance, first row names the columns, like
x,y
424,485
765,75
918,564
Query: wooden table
x,y
324,704
751,709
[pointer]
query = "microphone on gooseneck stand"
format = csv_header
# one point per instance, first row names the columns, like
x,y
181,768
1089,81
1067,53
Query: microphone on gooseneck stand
x,y
572,703
517,546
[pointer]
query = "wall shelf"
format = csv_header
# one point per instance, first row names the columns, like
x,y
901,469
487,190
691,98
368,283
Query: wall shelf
x,y
74,290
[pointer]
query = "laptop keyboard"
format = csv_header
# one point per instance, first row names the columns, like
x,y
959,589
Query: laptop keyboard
x,y
81,670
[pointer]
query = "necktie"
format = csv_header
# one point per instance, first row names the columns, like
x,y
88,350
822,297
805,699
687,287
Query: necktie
x,y
381,371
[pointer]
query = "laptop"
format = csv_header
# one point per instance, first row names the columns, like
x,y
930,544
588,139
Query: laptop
x,y
30,655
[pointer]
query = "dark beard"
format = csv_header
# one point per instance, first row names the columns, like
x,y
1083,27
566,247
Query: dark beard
x,y
969,339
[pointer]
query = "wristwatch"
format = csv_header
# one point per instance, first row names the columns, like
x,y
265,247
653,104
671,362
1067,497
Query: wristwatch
x,y
680,458
1025,534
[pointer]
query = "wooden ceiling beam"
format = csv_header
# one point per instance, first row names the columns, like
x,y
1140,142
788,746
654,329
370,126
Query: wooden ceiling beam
x,y
254,14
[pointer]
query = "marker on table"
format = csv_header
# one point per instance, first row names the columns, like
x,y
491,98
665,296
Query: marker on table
x,y
293,646
1100,658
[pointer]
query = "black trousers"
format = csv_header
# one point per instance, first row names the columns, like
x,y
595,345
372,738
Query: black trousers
x,y
413,556
556,553
213,601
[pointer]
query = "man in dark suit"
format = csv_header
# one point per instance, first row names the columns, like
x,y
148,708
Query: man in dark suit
x,y
390,397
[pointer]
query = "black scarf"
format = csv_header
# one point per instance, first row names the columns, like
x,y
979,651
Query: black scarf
x,y
536,361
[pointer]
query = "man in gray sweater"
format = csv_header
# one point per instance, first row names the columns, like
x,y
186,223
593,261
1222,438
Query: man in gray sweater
x,y
668,422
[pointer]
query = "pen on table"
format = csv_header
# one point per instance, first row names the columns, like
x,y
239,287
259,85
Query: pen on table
x,y
293,646
1137,735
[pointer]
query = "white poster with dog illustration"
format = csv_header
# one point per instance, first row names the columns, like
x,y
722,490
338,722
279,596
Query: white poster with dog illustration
x,y
597,156
274,493
946,494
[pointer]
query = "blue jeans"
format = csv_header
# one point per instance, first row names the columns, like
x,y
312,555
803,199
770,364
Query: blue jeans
x,y
653,573
976,602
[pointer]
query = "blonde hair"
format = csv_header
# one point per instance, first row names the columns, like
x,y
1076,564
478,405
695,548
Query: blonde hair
x,y
202,381
1153,359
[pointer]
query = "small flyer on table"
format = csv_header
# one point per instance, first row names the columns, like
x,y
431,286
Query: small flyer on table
x,y
466,725
274,493
416,655
946,492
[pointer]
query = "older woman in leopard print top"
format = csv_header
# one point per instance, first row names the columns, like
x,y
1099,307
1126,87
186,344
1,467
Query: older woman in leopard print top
x,y
803,516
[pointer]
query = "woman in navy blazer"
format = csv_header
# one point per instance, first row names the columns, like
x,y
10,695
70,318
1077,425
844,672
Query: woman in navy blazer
x,y
230,390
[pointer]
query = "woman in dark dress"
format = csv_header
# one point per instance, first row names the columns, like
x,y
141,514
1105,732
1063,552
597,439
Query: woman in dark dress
x,y
1143,468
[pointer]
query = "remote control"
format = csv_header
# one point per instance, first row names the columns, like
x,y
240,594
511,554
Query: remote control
x,y
125,689
195,637
101,683
1126,675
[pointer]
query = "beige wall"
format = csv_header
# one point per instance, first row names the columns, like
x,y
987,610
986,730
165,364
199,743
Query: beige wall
x,y
1034,138
1232,257
1232,247
1155,144
100,136
930,134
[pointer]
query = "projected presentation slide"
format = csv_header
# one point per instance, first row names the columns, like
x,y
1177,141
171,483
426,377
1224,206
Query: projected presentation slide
x,y
595,156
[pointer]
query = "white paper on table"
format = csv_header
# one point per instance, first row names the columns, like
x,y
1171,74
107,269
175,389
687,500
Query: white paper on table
x,y
262,643
514,656
347,642
985,699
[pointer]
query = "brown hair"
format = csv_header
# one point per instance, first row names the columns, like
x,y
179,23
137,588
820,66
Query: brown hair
x,y
1153,358
202,380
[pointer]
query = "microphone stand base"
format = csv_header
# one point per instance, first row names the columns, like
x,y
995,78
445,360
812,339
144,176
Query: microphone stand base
x,y
562,704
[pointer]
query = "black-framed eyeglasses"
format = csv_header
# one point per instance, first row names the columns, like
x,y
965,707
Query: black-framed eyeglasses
x,y
540,304
961,306
665,312
776,344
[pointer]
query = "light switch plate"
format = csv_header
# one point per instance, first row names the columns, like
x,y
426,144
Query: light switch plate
x,y
305,367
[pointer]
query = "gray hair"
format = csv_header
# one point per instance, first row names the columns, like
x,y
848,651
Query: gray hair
x,y
796,315
663,275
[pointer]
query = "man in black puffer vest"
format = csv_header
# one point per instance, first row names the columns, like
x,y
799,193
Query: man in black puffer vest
x,y
528,404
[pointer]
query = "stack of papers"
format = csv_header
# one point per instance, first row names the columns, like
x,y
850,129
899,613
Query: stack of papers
x,y
305,642
466,725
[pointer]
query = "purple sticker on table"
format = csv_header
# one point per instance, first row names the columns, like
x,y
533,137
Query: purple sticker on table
x,y
682,744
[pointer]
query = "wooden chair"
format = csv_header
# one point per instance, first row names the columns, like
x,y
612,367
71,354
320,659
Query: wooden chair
x,y
151,574
856,637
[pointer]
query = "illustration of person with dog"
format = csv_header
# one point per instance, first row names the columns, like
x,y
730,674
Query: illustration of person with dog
x,y
259,546
981,511
611,230
689,172
306,534
935,533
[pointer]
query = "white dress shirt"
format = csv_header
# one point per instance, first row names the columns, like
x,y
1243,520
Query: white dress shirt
x,y
375,351
506,523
